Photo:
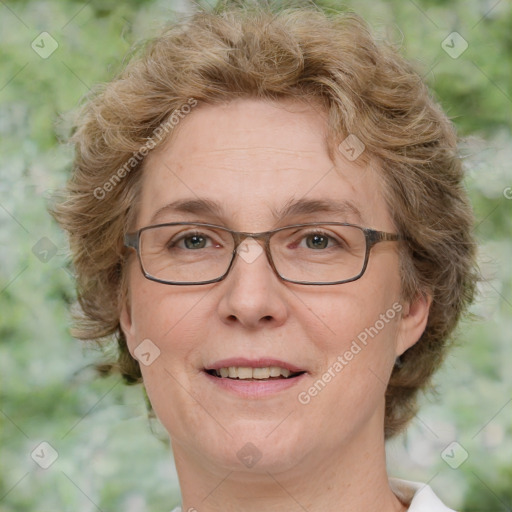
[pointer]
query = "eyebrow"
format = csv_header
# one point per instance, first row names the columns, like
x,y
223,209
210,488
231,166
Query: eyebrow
x,y
207,207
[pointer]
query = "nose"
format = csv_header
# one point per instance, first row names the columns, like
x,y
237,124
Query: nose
x,y
253,295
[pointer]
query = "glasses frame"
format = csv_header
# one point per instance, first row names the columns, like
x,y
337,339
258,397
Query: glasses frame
x,y
372,237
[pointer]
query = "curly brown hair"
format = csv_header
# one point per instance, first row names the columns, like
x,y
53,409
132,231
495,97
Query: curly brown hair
x,y
252,50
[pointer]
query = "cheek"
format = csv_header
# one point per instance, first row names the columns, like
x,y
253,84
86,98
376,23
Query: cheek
x,y
341,314
363,343
159,311
355,331
174,321
349,388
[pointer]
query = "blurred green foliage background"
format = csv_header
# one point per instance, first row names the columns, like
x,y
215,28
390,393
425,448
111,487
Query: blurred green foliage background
x,y
108,458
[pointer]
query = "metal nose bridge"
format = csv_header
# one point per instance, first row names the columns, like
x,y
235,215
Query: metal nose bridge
x,y
254,250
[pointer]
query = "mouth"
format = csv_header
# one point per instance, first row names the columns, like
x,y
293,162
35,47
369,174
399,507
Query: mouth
x,y
256,370
248,373
253,378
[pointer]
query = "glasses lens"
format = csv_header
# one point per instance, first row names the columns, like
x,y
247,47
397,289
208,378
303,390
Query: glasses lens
x,y
185,253
193,253
324,253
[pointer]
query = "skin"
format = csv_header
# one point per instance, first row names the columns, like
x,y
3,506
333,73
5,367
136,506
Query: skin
x,y
327,455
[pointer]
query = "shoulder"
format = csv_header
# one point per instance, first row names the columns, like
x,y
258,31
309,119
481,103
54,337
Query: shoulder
x,y
419,496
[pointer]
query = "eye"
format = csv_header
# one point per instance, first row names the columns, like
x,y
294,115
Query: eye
x,y
195,242
190,241
318,240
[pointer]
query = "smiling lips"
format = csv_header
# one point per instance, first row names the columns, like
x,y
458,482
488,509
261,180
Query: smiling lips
x,y
261,369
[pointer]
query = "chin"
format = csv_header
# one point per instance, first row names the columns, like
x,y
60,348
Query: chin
x,y
257,447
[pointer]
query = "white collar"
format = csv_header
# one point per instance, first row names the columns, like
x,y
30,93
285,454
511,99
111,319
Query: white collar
x,y
419,496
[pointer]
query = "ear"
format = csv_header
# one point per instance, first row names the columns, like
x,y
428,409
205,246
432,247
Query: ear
x,y
413,321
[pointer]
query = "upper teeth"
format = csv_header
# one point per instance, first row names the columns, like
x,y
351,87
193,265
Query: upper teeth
x,y
245,372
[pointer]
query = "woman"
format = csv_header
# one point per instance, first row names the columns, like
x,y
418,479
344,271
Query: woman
x,y
266,210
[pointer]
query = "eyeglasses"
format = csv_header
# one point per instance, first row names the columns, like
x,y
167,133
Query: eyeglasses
x,y
317,253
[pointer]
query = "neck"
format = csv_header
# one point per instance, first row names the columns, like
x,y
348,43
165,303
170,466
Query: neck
x,y
349,479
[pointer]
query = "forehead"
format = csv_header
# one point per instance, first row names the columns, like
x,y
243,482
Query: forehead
x,y
247,163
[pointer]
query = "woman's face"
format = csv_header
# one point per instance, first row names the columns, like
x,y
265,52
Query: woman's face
x,y
253,158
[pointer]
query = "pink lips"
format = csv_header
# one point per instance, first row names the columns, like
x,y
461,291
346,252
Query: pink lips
x,y
253,388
